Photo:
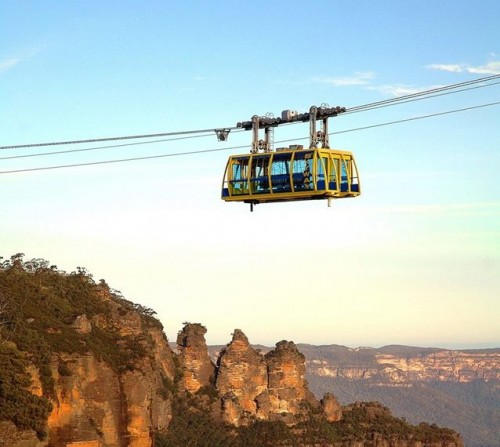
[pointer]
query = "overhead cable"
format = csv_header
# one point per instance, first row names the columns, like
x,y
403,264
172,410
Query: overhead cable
x,y
70,151
100,140
384,103
150,157
427,93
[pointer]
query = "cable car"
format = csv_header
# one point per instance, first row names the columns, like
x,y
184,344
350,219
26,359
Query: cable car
x,y
291,173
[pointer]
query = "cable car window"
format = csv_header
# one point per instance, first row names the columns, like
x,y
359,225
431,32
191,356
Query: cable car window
x,y
280,172
354,176
302,171
344,183
239,177
332,178
321,165
259,174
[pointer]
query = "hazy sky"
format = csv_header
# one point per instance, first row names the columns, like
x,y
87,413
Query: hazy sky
x,y
414,260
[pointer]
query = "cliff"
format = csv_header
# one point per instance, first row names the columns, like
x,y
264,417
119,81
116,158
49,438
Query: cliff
x,y
454,388
97,366
82,366
403,364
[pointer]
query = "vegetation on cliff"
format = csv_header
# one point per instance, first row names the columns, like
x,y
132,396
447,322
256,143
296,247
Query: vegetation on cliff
x,y
17,403
38,308
193,424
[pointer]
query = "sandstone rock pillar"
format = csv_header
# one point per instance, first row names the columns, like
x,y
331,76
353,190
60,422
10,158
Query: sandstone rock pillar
x,y
241,374
194,358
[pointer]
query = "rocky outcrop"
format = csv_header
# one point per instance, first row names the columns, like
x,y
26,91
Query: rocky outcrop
x,y
287,383
254,386
197,367
99,403
251,386
331,408
241,379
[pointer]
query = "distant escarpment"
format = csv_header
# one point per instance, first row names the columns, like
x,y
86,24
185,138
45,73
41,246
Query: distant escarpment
x,y
404,364
82,366
455,388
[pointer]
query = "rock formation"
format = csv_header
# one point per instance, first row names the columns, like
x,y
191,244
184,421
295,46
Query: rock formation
x,y
331,407
251,386
194,358
98,403
95,402
241,379
287,383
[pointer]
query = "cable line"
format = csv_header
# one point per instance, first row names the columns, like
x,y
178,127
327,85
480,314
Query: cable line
x,y
121,160
361,108
418,117
429,92
70,151
399,101
131,137
201,151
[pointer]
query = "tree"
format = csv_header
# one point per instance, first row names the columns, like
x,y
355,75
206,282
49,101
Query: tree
x,y
4,308
17,260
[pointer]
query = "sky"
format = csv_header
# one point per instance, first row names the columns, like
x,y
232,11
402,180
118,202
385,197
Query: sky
x,y
414,260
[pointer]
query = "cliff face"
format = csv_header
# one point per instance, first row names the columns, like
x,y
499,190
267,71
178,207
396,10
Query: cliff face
x,y
95,402
111,395
445,366
403,367
97,406
451,388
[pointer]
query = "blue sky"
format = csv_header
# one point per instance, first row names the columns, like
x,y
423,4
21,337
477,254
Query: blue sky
x,y
414,260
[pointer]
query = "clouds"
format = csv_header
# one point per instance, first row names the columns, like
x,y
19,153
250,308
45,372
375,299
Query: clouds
x,y
367,79
491,68
8,64
400,89
363,78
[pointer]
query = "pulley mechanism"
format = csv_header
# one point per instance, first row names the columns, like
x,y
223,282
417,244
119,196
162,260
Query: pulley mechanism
x,y
317,138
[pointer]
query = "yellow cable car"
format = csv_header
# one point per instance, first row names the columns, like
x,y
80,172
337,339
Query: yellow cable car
x,y
291,173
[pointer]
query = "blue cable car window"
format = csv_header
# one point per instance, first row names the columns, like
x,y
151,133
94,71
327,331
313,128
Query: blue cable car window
x,y
280,172
259,176
320,172
239,178
344,182
332,174
302,171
